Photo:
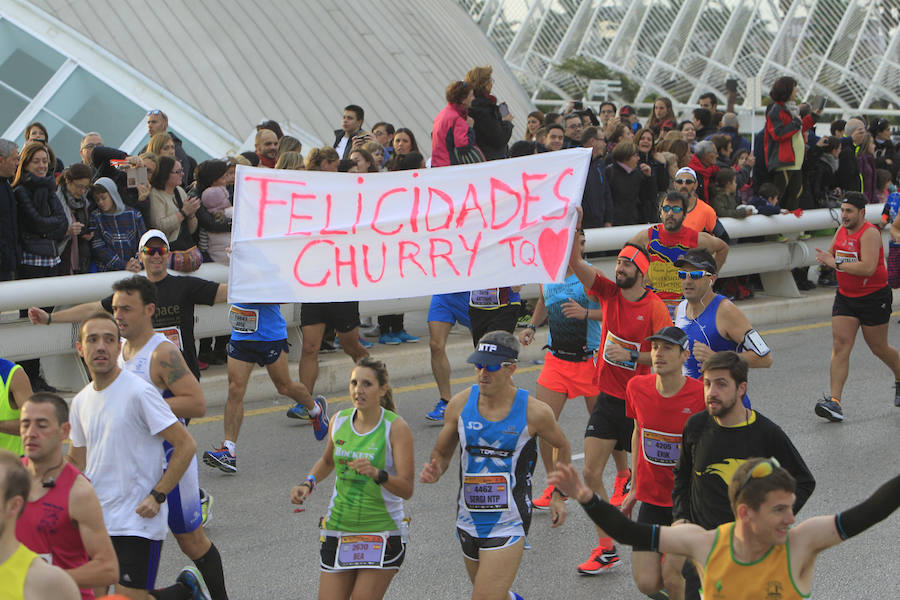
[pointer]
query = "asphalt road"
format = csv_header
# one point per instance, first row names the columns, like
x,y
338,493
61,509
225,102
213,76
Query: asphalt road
x,y
272,552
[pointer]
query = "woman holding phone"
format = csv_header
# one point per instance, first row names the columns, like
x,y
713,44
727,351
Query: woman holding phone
x,y
493,123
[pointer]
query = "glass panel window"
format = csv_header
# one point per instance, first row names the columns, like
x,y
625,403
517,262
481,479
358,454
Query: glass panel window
x,y
12,105
26,63
91,105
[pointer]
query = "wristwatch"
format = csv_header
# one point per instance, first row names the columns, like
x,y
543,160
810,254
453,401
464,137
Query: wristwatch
x,y
158,496
381,477
635,355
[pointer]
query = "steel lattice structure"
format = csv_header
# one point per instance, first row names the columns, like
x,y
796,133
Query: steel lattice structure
x,y
846,50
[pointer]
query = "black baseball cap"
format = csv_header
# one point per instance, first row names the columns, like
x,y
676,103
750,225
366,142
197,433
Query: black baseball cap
x,y
855,199
673,335
698,257
492,354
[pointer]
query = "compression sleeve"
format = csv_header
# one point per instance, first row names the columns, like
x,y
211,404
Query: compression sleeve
x,y
877,507
641,536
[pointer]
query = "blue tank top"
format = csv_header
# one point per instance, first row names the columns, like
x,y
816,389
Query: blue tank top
x,y
496,463
257,322
571,335
702,329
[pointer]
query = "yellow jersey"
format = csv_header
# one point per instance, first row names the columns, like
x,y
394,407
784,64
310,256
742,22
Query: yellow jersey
x,y
726,578
13,573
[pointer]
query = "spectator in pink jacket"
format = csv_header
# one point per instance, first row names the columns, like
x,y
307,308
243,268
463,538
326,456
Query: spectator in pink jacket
x,y
452,139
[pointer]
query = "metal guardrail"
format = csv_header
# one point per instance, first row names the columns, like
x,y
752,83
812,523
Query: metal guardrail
x,y
772,260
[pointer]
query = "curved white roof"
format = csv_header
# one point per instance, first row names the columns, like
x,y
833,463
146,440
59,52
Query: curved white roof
x,y
218,68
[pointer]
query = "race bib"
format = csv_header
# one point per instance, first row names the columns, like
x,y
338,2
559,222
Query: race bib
x,y
661,448
357,550
845,256
489,298
243,320
48,558
613,340
173,334
486,491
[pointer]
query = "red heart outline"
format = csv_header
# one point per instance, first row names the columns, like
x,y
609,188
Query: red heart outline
x,y
552,246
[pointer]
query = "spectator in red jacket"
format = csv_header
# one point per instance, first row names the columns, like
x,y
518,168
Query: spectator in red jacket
x,y
785,142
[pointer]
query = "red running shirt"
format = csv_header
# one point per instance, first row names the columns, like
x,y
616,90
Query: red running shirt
x,y
846,250
625,324
659,422
46,528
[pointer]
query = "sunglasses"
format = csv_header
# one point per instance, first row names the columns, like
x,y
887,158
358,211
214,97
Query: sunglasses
x,y
155,250
492,368
684,181
693,274
154,112
673,209
760,471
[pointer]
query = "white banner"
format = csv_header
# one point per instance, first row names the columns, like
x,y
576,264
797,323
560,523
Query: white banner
x,y
310,236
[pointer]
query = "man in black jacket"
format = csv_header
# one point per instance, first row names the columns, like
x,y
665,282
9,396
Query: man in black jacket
x,y
351,126
596,200
10,254
848,178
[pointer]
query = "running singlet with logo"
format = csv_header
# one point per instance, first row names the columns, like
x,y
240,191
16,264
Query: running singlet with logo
x,y
724,578
358,504
257,322
665,249
661,423
576,336
46,527
702,329
496,462
846,250
625,324
13,443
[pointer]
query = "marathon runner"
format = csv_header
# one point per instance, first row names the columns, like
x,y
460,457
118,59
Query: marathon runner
x,y
659,404
631,313
24,575
760,552
259,336
364,534
570,363
494,424
668,241
863,300
119,421
156,360
62,520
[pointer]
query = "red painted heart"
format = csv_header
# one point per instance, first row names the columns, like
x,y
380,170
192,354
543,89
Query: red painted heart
x,y
552,246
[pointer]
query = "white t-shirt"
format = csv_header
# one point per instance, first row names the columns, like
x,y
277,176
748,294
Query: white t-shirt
x,y
119,426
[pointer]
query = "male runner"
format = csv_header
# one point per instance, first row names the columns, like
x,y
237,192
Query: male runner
x,y
444,311
631,312
62,520
712,321
176,297
15,388
716,442
863,300
659,404
494,425
667,242
118,423
259,336
22,574
760,553
151,356
570,363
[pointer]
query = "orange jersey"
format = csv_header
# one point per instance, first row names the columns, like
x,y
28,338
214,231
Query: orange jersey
x,y
625,324
701,218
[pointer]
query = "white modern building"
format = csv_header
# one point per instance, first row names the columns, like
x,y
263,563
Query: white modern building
x,y
219,67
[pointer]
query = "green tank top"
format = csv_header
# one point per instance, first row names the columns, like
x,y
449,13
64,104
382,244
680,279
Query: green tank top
x,y
13,443
358,504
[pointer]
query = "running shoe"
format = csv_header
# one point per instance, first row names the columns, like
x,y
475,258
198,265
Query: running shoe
x,y
191,578
621,487
602,559
327,347
405,337
206,502
516,596
436,416
320,422
543,501
831,410
389,339
221,459
365,343
298,411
